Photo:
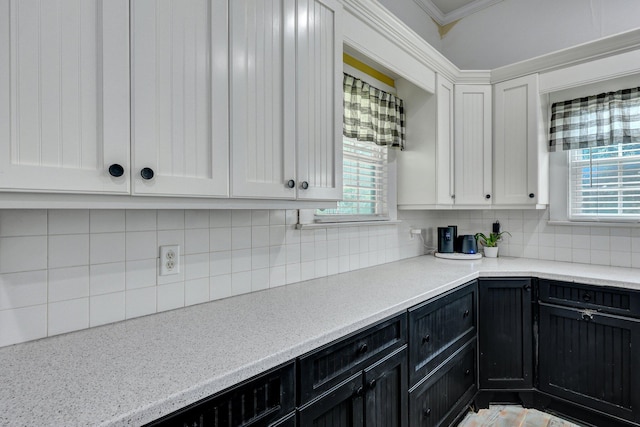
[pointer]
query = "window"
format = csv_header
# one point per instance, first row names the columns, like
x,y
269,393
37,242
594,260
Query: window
x,y
604,182
365,175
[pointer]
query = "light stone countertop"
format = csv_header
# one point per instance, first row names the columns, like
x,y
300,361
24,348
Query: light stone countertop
x,y
135,371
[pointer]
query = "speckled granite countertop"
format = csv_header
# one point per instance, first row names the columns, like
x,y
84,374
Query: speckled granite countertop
x,y
135,371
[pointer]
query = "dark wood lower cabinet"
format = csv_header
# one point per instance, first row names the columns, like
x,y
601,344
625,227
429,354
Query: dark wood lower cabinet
x,y
591,359
442,396
375,397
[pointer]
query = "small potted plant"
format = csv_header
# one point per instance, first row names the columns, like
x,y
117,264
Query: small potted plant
x,y
490,243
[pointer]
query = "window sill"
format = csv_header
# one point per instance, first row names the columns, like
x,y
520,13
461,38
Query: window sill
x,y
345,224
622,224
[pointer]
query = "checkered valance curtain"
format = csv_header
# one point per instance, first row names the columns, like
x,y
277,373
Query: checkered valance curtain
x,y
371,114
596,121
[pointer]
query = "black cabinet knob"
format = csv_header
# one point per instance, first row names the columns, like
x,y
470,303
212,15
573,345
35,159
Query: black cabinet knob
x,y
426,339
467,372
291,183
466,313
527,288
488,196
531,195
116,170
586,297
146,173
304,185
363,348
372,384
453,196
427,412
358,392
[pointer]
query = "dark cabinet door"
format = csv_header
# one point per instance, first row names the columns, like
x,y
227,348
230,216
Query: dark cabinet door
x,y
591,359
386,391
341,406
441,397
505,334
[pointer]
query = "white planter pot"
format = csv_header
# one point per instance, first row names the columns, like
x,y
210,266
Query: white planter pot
x,y
491,252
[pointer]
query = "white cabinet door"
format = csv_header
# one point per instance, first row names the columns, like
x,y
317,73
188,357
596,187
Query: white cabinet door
x,y
319,99
64,95
179,97
472,147
444,142
263,139
516,148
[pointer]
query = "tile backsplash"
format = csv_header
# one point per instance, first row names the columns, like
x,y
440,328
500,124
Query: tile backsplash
x,y
66,270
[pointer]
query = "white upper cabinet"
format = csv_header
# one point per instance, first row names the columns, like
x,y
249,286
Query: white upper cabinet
x,y
445,167
518,154
179,97
472,145
286,99
64,95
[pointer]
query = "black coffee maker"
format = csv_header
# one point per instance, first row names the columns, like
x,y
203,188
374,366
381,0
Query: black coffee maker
x,y
447,237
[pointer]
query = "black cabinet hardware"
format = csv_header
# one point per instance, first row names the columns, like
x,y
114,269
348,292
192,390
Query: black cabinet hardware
x,y
146,173
291,183
116,170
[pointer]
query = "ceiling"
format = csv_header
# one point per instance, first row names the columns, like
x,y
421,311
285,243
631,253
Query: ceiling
x,y
446,11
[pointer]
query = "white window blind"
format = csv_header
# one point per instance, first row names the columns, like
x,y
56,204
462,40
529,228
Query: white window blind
x,y
364,183
604,183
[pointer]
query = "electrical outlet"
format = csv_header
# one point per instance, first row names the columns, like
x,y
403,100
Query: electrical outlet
x,y
169,260
414,232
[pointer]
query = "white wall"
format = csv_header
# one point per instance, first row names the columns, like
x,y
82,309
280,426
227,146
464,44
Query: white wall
x,y
515,30
416,19
65,270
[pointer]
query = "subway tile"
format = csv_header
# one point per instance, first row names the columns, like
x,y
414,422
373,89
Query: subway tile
x,y
241,218
600,242
220,287
277,256
23,324
321,267
171,237
196,218
107,247
67,316
68,221
196,241
621,259
259,258
107,278
320,249
27,253
277,217
141,245
291,216
171,219
107,220
259,217
140,273
220,239
276,235
620,243
259,236
68,283
564,254
220,218
241,283
277,276
196,291
600,257
293,254
23,289
259,279
307,236
141,220
170,296
292,273
68,250
307,252
307,270
23,222
582,256
106,308
291,235
196,266
140,302
241,260
220,263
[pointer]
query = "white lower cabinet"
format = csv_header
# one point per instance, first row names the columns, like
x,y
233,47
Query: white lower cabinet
x,y
472,145
286,99
64,96
520,152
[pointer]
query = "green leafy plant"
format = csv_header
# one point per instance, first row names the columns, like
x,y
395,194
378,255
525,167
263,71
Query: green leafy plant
x,y
492,240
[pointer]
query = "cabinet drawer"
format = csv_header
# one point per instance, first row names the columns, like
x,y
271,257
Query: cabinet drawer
x,y
606,299
440,398
257,402
439,327
326,367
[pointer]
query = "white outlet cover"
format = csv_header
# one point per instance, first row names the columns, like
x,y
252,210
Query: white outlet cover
x,y
169,260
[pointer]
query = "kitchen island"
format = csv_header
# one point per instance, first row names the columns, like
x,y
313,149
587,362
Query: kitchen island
x,y
135,371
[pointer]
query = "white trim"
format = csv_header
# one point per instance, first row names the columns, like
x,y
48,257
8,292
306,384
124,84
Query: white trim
x,y
602,48
620,224
446,18
346,224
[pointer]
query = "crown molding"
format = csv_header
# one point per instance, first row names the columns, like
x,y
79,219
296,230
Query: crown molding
x,y
602,48
377,17
446,18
